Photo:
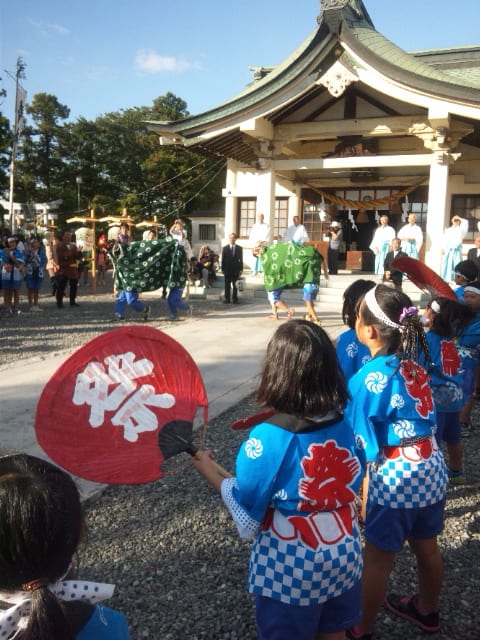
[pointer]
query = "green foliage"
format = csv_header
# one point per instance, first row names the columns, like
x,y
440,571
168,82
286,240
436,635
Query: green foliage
x,y
119,162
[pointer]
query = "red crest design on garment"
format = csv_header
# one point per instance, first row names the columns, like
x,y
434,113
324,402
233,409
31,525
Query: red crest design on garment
x,y
329,470
450,359
100,414
418,388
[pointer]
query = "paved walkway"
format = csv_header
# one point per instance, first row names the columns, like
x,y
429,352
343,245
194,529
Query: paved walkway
x,y
228,347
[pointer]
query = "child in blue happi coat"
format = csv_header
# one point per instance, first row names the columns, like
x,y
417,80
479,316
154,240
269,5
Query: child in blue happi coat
x,y
351,353
294,492
393,414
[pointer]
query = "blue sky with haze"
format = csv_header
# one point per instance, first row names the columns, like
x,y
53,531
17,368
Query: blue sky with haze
x,y
101,56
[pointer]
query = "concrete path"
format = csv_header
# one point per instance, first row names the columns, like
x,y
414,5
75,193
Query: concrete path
x,y
228,347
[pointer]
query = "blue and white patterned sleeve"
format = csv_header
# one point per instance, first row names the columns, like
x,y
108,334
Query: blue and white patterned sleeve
x,y
247,527
258,461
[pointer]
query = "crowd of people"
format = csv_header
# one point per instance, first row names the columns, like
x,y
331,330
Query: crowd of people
x,y
354,439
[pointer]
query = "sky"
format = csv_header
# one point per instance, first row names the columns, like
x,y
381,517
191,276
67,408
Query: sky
x,y
101,56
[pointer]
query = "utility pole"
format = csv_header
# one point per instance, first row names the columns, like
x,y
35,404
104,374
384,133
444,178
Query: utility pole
x,y
79,181
20,97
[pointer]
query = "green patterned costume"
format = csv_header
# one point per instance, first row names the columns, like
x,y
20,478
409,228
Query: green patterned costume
x,y
148,265
289,265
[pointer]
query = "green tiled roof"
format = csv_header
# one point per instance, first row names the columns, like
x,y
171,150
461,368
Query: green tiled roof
x,y
414,64
419,70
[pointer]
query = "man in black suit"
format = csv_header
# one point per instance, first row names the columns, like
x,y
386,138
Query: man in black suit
x,y
474,254
232,267
392,275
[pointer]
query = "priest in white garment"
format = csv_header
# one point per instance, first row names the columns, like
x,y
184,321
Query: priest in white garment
x,y
380,245
452,246
411,236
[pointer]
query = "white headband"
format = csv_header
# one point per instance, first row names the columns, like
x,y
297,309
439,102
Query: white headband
x,y
374,307
472,290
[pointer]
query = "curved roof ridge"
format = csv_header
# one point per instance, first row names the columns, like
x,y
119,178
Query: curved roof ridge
x,y
255,89
380,47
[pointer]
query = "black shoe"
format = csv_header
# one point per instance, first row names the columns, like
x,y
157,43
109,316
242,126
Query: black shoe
x,y
405,607
59,305
235,301
74,304
146,313
226,302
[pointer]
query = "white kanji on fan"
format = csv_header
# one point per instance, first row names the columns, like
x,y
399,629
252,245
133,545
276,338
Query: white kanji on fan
x,y
92,388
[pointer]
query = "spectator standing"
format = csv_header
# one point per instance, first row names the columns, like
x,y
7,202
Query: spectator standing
x,y
380,245
452,246
124,236
232,267
474,252
101,253
335,234
178,233
12,261
411,236
67,258
50,244
296,232
35,261
391,275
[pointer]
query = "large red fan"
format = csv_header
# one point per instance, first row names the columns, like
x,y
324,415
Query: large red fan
x,y
121,405
423,277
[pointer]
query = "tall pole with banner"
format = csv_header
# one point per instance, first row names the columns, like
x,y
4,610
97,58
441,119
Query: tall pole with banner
x,y
18,126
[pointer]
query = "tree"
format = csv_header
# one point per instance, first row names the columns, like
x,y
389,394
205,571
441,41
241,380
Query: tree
x,y
40,150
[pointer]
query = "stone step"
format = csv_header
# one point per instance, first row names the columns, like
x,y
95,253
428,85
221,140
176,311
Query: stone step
x,y
331,291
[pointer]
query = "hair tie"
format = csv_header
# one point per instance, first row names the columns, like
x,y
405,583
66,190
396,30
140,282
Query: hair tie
x,y
34,585
407,312
374,307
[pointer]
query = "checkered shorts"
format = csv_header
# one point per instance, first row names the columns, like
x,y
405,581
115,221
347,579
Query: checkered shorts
x,y
295,574
400,483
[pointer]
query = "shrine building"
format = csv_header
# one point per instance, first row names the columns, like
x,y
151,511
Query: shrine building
x,y
348,127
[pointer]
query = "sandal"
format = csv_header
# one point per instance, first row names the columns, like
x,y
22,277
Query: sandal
x,y
273,317
290,313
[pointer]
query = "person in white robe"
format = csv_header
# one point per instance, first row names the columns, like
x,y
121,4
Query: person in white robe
x,y
411,236
452,246
381,241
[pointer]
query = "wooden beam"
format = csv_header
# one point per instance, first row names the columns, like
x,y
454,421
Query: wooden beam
x,y
258,128
354,162
369,127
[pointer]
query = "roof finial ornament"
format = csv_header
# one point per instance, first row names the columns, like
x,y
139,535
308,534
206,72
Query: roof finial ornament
x,y
333,11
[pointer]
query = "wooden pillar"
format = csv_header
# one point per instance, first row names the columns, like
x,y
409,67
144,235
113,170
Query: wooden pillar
x,y
230,199
266,198
94,253
437,209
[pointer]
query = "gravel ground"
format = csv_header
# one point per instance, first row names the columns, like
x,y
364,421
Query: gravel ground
x,y
37,334
170,546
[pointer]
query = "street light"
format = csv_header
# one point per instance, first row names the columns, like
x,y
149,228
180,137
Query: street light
x,y
78,180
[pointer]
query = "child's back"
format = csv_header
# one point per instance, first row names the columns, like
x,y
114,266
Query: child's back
x,y
42,524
